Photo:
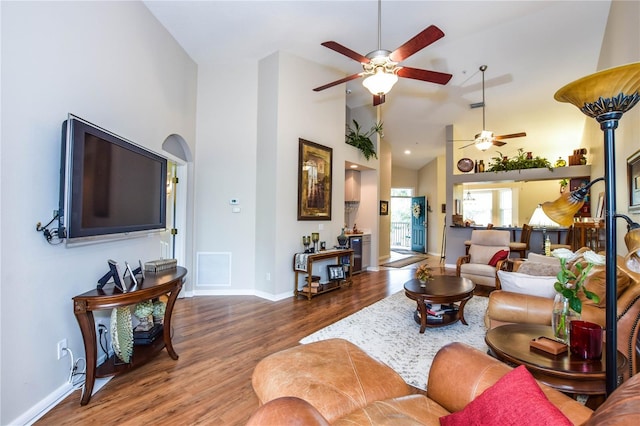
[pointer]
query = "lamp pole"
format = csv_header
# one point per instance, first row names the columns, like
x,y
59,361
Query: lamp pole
x,y
608,124
606,96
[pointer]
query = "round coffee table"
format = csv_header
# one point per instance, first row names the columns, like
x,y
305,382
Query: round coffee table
x,y
564,372
444,290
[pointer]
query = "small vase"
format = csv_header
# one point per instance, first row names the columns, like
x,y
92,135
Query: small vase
x,y
423,283
561,317
342,239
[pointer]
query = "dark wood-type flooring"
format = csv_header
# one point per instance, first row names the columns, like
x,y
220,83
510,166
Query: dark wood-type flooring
x,y
219,340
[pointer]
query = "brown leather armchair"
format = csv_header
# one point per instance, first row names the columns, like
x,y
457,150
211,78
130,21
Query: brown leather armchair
x,y
506,307
305,385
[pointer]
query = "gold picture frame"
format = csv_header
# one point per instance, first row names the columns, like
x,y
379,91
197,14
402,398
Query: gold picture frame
x,y
633,182
314,181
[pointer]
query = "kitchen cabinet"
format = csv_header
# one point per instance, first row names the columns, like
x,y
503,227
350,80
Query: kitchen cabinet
x,y
352,186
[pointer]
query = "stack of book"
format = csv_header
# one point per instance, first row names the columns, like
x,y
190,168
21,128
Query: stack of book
x,y
315,285
435,312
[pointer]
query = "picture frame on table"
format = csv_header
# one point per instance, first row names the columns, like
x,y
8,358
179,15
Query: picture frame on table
x,y
633,182
335,272
314,180
384,208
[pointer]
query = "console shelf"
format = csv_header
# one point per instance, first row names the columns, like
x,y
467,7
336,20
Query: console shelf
x,y
166,283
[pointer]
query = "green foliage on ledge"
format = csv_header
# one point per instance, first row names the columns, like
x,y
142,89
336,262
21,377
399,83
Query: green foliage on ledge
x,y
362,141
519,162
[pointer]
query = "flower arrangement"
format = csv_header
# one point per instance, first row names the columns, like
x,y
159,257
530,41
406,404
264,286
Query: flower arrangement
x,y
569,284
417,210
567,305
423,273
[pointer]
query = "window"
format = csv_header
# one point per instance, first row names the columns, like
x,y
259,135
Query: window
x,y
484,206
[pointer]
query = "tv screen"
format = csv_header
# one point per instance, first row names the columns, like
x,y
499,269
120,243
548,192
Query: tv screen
x,y
110,187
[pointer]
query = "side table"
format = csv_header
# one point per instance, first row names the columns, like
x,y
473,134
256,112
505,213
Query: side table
x,y
165,283
564,372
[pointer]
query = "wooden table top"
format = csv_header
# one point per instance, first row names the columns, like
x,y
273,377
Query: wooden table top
x,y
441,286
511,342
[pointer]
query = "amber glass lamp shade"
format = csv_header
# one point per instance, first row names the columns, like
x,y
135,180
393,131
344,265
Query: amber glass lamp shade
x,y
613,89
564,208
632,241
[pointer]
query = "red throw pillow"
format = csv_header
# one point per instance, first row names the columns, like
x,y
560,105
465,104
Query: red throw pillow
x,y
515,399
500,255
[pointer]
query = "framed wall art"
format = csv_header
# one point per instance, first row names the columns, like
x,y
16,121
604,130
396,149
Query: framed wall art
x,y
633,182
384,208
314,181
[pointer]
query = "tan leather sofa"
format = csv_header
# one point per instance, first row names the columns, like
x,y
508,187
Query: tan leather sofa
x,y
506,307
334,382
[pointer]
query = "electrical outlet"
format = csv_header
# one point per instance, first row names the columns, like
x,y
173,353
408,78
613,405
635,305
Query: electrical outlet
x,y
62,346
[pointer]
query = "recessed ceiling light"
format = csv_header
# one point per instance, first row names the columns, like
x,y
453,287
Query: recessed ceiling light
x,y
354,166
406,151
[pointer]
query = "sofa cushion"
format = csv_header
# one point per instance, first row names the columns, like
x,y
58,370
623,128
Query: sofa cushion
x,y
540,269
516,282
408,410
515,399
541,258
334,375
595,282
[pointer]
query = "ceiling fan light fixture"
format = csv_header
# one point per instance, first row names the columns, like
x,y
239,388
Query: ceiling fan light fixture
x,y
484,141
380,82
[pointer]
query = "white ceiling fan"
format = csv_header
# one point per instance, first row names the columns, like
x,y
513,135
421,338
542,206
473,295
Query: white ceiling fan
x,y
486,139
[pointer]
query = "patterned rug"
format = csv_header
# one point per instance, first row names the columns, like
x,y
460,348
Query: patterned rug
x,y
387,331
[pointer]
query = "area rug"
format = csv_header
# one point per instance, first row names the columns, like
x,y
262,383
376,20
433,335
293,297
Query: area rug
x,y
387,331
406,261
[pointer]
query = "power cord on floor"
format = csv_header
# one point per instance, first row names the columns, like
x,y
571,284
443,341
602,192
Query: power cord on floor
x,y
73,371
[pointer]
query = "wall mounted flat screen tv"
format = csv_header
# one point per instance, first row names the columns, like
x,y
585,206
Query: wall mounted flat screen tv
x,y
110,187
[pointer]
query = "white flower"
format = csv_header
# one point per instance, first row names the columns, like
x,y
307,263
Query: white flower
x,y
563,253
594,258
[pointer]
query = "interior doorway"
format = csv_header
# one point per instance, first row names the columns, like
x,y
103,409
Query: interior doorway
x,y
400,211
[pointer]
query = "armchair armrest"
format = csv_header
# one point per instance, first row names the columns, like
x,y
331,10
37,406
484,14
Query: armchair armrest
x,y
459,373
461,260
287,411
507,307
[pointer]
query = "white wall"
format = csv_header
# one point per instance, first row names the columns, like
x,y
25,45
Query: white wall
x,y
110,63
621,45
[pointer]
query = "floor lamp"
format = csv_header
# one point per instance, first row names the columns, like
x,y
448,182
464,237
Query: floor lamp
x,y
606,96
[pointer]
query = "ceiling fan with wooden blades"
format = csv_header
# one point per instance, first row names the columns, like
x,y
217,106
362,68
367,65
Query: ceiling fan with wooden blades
x,y
486,139
380,67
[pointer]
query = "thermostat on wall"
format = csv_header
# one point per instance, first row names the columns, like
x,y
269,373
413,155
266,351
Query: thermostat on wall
x,y
234,201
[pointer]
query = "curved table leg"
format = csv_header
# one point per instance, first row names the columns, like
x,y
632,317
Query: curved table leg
x,y
422,308
87,327
461,311
166,332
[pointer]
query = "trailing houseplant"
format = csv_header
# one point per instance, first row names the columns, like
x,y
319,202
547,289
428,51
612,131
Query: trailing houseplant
x,y
362,140
521,161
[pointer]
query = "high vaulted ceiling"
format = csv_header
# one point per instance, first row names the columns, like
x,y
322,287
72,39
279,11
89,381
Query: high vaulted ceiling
x,y
532,48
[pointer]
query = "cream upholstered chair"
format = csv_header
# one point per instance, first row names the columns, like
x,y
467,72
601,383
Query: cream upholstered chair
x,y
467,243
487,251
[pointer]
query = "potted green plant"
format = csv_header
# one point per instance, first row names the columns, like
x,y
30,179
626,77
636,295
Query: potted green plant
x,y
362,140
519,162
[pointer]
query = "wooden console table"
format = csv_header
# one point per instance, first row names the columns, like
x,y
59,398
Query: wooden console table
x,y
308,269
165,283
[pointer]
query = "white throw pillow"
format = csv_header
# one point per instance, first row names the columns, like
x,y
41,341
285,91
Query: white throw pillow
x,y
527,284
